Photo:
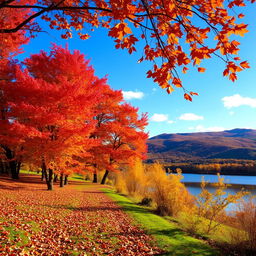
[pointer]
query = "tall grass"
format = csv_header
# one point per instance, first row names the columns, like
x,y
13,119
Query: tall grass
x,y
169,195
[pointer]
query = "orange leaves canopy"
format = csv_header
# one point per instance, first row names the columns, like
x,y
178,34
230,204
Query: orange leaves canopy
x,y
57,110
203,27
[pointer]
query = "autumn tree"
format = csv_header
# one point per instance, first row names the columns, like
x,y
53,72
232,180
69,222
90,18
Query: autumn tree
x,y
124,138
53,99
176,34
118,136
104,113
14,132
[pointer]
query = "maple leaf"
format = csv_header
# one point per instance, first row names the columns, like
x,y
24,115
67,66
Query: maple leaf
x,y
184,70
187,97
193,93
177,82
233,77
202,70
170,89
244,64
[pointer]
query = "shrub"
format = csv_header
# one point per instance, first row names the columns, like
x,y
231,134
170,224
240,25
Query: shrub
x,y
146,201
136,180
210,207
246,219
167,191
120,183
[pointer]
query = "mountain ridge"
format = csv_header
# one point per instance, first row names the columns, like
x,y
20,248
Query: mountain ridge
x,y
237,143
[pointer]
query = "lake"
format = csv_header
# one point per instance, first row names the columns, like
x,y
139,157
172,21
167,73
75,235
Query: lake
x,y
229,179
192,182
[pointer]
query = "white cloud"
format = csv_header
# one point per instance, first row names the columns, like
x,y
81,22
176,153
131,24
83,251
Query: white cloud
x,y
190,117
129,95
231,113
170,122
201,128
159,118
238,100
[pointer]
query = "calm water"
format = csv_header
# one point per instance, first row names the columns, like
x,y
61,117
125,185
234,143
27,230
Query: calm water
x,y
244,180
195,189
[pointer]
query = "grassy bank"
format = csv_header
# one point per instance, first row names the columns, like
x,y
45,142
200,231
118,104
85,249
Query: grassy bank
x,y
167,234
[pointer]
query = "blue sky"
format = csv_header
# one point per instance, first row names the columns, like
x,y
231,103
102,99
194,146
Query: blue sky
x,y
220,105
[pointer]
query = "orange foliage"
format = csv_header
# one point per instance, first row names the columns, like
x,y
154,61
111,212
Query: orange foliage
x,y
166,25
167,191
57,114
169,195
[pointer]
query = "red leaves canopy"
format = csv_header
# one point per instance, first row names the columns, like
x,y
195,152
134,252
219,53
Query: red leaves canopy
x,y
206,26
58,110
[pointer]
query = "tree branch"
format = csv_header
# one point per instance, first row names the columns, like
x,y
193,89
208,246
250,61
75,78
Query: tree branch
x,y
43,10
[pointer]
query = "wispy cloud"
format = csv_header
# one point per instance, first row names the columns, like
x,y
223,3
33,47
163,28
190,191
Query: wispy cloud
x,y
159,118
130,95
190,117
201,128
237,100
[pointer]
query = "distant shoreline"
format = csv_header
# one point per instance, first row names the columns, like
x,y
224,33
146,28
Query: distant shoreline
x,y
231,173
210,184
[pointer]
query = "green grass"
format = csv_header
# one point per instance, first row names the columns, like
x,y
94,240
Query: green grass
x,y
221,233
19,237
167,234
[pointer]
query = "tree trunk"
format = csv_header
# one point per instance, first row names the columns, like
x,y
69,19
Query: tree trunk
x,y
66,180
61,181
95,178
14,165
49,180
43,175
43,171
5,167
14,168
2,166
104,177
55,178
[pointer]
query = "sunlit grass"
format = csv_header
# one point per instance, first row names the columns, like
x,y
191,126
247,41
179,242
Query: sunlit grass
x,y
167,234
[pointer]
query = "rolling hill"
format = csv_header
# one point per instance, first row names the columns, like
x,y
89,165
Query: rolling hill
x,y
230,144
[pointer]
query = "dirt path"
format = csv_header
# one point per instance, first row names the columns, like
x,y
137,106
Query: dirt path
x,y
75,220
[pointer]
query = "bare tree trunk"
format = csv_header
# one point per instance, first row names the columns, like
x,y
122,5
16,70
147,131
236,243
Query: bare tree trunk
x,y
3,166
43,175
66,180
43,170
2,170
49,179
104,177
14,165
55,178
14,169
61,181
95,178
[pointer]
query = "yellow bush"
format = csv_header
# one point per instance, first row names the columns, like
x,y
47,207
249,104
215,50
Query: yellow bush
x,y
168,193
120,183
